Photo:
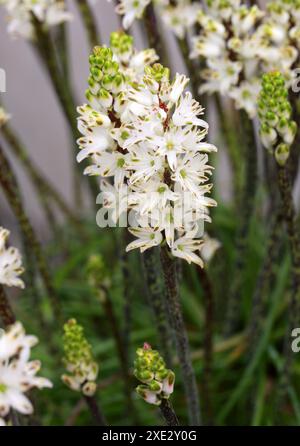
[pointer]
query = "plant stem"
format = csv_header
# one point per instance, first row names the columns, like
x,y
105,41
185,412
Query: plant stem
x,y
47,54
168,413
208,297
181,337
89,22
231,141
127,313
157,301
44,188
154,36
61,46
247,209
193,70
6,313
264,280
95,410
289,214
109,309
13,196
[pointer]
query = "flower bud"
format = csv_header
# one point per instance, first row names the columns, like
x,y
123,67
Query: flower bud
x,y
150,369
282,152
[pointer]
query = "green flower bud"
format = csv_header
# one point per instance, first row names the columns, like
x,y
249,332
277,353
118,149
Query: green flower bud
x,y
282,153
78,358
151,370
121,43
274,111
158,72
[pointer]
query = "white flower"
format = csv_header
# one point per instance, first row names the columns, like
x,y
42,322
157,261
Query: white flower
x,y
96,137
49,12
209,247
191,171
15,339
144,163
147,238
170,144
157,155
56,13
17,373
10,263
243,19
180,17
185,247
186,112
131,9
177,87
246,96
2,422
220,75
115,199
210,46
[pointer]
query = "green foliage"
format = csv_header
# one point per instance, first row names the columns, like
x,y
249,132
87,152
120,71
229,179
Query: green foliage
x,y
243,389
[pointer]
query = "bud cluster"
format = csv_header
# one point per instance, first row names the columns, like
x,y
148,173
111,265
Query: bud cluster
x,y
79,360
277,129
150,369
122,45
105,78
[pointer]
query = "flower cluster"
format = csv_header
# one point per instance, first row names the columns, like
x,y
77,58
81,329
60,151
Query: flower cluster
x,y
131,10
142,129
79,360
20,13
240,42
277,130
17,373
4,117
178,15
10,263
150,369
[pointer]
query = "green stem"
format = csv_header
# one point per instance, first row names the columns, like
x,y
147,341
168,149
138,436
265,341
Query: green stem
x,y
157,302
181,337
6,313
192,69
289,214
247,209
61,45
154,36
263,282
13,196
208,297
228,132
168,413
127,304
47,54
44,188
95,410
110,313
89,22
